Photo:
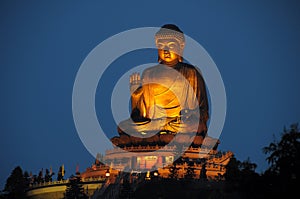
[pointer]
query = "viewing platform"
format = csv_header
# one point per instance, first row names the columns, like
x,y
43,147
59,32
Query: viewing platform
x,y
56,189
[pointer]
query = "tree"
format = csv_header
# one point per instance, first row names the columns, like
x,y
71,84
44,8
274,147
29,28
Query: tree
x,y
241,177
34,179
237,171
284,160
232,173
247,172
284,155
61,173
249,179
15,184
173,171
247,166
40,178
190,172
203,175
48,176
75,189
27,179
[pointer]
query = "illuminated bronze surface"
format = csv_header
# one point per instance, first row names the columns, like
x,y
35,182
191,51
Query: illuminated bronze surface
x,y
169,97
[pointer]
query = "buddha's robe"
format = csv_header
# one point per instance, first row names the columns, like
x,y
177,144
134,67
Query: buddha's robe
x,y
171,99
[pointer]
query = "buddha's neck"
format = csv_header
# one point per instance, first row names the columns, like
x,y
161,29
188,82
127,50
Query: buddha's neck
x,y
171,64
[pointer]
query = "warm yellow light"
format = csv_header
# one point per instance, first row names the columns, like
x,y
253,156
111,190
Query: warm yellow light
x,y
150,157
155,174
148,176
107,174
169,159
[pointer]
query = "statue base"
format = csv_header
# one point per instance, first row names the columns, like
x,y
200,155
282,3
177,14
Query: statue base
x,y
143,155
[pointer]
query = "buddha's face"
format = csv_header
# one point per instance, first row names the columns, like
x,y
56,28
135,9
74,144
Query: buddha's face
x,y
168,50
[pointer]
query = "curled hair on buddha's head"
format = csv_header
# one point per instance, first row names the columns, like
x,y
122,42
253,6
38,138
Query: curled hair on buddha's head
x,y
172,27
171,31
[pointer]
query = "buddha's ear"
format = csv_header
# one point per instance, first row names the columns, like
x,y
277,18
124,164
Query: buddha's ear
x,y
182,46
180,59
159,59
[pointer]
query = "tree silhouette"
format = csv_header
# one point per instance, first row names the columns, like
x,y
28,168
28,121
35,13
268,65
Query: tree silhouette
x,y
232,173
284,160
190,172
285,154
60,174
48,176
247,166
27,179
173,171
75,189
241,177
203,175
15,184
40,178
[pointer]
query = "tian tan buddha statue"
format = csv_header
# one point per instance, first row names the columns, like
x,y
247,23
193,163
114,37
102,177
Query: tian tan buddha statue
x,y
168,98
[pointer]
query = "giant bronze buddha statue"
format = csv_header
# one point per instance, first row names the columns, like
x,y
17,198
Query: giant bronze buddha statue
x,y
170,97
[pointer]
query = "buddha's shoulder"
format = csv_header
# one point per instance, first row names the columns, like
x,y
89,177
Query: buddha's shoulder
x,y
190,69
186,65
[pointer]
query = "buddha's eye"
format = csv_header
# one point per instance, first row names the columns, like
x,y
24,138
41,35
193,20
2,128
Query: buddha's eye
x,y
160,45
172,45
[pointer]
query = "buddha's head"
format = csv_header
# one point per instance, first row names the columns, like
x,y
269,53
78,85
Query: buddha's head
x,y
170,44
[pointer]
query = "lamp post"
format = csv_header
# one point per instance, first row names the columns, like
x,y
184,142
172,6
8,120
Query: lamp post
x,y
107,173
156,176
148,177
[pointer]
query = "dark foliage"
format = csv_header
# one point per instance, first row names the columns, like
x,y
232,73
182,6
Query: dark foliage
x,y
279,180
190,172
203,175
75,189
173,171
16,184
283,176
61,173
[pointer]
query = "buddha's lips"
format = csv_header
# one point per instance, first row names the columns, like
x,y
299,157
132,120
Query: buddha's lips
x,y
167,55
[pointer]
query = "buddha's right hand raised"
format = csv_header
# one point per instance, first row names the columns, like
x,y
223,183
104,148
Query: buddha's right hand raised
x,y
135,82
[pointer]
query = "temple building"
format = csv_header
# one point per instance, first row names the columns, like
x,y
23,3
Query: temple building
x,y
198,158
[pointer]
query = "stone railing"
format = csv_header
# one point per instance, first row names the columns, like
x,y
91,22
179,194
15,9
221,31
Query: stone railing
x,y
93,179
199,150
155,148
140,149
222,158
63,182
45,184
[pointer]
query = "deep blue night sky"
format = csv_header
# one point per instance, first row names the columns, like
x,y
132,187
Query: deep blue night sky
x,y
255,45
